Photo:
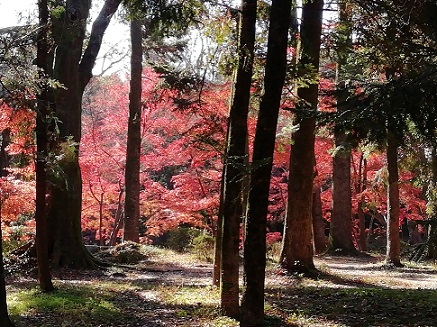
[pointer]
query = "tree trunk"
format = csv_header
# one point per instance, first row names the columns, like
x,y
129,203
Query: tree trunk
x,y
218,237
393,238
432,208
132,172
4,156
234,164
297,252
362,239
255,241
5,321
73,70
42,115
318,221
340,237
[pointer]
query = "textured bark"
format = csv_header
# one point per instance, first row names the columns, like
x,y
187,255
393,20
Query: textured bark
x,y
340,237
255,240
74,71
132,172
297,252
44,275
393,238
5,321
234,162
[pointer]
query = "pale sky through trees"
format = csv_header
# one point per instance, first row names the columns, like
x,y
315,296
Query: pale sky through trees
x,y
116,40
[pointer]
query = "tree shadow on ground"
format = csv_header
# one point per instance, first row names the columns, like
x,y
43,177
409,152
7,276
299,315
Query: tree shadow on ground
x,y
355,303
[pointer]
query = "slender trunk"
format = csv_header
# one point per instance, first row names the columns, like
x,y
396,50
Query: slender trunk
x,y
132,172
362,240
234,162
318,221
43,108
393,238
298,249
255,241
4,156
118,219
218,239
5,321
432,207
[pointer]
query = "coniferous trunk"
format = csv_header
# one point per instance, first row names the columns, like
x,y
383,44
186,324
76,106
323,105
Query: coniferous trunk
x,y
73,69
340,237
233,171
393,238
297,252
5,321
132,172
42,115
255,240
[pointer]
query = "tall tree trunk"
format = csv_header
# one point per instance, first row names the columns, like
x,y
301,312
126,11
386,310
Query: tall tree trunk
x,y
297,252
393,238
5,321
132,172
340,237
73,70
42,115
255,241
234,163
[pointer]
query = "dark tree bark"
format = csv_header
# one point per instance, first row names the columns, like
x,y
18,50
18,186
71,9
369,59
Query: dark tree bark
x,y
4,156
393,253
5,321
255,240
432,207
234,171
297,253
42,115
74,71
132,172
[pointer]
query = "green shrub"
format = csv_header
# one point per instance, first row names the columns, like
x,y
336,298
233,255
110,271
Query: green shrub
x,y
203,247
179,239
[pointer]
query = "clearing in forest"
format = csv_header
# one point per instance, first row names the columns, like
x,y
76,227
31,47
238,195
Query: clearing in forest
x,y
166,288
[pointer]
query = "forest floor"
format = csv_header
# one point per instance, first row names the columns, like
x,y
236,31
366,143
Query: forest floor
x,y
171,289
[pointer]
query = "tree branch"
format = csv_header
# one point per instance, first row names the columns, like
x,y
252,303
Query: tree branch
x,y
98,30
